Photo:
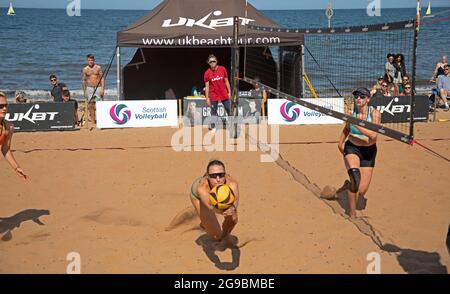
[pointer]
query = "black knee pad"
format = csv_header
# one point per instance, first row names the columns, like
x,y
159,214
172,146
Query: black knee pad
x,y
355,179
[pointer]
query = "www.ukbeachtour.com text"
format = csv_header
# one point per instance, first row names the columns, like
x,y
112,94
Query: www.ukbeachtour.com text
x,y
220,41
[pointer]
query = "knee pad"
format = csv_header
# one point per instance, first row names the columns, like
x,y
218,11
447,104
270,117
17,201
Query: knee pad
x,y
355,179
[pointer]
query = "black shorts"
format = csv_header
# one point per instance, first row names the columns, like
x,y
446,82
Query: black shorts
x,y
366,154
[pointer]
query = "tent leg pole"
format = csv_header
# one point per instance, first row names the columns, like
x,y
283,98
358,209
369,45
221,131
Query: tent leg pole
x,y
303,73
119,78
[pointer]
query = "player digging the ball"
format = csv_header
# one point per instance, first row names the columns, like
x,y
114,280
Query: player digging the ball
x,y
216,192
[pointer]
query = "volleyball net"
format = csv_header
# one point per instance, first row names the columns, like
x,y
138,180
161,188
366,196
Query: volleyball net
x,y
322,73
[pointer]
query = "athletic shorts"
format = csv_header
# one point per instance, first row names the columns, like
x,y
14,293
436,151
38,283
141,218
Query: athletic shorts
x,y
366,154
98,92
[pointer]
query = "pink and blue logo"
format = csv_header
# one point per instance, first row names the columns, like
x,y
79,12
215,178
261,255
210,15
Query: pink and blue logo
x,y
120,114
289,112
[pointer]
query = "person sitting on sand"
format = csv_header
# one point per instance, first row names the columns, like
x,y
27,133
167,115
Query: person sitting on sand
x,y
200,191
407,90
67,98
439,69
444,87
386,90
20,97
359,148
378,86
6,133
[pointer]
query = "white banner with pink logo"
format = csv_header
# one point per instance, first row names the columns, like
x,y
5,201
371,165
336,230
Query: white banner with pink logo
x,y
285,112
137,114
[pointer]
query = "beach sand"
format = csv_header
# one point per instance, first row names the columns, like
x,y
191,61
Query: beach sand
x,y
120,198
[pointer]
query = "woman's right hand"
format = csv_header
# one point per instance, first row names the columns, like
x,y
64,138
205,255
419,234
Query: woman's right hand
x,y
208,101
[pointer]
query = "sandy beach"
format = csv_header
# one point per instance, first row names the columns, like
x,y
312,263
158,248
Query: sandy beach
x,y
119,198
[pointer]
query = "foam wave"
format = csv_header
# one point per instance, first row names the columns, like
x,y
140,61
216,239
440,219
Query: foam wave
x,y
44,95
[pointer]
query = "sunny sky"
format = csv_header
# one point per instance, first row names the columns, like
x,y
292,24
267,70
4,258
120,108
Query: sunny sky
x,y
260,4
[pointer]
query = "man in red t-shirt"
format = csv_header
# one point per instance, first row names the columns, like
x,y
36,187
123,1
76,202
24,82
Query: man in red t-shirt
x,y
217,88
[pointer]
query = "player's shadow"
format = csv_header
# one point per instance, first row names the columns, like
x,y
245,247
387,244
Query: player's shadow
x,y
8,224
342,199
416,261
210,247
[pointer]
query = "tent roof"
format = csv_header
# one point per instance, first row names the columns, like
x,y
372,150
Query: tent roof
x,y
201,23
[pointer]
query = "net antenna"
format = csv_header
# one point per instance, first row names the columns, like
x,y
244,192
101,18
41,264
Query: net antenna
x,y
338,61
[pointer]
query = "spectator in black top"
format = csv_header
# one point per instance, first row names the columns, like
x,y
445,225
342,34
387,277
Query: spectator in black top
x,y
56,92
66,98
400,72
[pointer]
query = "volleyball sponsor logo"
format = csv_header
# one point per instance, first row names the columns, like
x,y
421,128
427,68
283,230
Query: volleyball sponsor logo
x,y
120,114
289,111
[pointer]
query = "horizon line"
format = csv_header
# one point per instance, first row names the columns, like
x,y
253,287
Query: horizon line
x,y
143,9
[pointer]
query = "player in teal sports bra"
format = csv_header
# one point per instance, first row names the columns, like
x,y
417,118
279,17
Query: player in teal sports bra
x,y
199,196
359,148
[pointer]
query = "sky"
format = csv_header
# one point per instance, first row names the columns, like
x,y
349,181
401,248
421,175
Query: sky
x,y
260,4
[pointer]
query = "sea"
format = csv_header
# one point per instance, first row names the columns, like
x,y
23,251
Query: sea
x,y
38,42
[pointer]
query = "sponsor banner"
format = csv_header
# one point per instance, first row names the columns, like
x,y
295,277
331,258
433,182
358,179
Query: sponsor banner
x,y
196,110
285,112
398,109
45,116
136,114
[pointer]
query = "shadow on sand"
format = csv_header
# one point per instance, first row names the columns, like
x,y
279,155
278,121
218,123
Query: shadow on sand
x,y
416,261
210,248
8,224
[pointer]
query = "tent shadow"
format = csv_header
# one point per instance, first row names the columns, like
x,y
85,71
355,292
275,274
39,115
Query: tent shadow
x,y
417,261
8,224
210,247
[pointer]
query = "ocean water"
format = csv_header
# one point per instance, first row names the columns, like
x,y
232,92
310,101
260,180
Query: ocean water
x,y
38,42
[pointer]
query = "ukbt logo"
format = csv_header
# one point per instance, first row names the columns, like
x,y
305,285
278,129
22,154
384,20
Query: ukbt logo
x,y
213,23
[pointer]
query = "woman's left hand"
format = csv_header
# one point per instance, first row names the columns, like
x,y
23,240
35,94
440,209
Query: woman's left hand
x,y
21,173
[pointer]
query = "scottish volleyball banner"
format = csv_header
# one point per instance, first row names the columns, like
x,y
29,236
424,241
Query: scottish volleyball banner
x,y
136,114
285,112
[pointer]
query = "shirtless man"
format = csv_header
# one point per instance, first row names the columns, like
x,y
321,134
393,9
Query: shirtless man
x,y
91,76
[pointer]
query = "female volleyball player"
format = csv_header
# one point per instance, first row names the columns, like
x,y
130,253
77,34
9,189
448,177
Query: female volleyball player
x,y
358,145
200,191
6,133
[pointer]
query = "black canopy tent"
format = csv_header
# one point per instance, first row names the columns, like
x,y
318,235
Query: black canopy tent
x,y
176,37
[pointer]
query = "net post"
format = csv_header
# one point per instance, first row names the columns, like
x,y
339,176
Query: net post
x,y
414,60
119,77
235,60
233,124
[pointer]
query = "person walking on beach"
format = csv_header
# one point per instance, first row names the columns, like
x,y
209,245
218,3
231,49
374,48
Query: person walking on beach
x,y
200,190
6,133
359,148
92,76
217,89
56,92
